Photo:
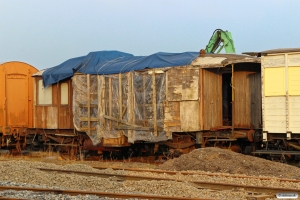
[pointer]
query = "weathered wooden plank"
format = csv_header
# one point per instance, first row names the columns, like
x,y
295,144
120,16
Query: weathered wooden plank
x,y
190,84
116,120
154,103
174,84
120,96
201,96
88,76
189,116
130,103
212,97
247,87
110,101
172,121
137,128
87,128
92,119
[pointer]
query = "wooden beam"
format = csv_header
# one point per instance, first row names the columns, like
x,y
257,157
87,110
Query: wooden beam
x,y
88,76
130,103
137,128
110,101
154,103
120,97
201,97
116,120
86,119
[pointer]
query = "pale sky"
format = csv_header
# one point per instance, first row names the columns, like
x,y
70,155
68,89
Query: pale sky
x,y
46,33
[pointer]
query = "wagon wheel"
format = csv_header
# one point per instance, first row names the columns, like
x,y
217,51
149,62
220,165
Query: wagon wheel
x,y
257,136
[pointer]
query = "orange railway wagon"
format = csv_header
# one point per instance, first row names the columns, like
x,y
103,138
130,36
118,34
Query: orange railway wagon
x,y
16,102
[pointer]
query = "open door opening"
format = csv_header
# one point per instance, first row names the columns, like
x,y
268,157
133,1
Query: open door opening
x,y
226,98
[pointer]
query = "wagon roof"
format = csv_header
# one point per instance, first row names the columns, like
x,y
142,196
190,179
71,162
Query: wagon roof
x,y
114,62
273,51
221,60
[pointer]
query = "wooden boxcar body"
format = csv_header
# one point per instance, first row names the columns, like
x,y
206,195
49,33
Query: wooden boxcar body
x,y
216,100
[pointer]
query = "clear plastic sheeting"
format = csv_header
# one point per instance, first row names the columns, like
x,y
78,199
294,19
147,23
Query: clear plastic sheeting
x,y
130,104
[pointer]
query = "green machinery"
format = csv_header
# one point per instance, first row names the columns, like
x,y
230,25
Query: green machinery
x,y
219,36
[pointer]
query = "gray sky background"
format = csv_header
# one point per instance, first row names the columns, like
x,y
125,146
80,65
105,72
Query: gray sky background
x,y
45,33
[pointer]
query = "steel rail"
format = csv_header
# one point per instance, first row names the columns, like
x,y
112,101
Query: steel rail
x,y
9,198
198,173
200,184
99,194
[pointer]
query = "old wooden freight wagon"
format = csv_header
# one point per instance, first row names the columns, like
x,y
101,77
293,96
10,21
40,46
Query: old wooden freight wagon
x,y
178,100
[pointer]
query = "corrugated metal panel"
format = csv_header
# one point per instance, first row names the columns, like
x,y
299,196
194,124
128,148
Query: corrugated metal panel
x,y
274,81
275,114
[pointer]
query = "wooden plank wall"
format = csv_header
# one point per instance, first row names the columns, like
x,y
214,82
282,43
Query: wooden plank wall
x,y
55,115
65,113
211,98
182,100
247,87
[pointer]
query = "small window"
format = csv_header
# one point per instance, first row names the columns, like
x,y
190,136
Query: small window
x,y
64,97
45,94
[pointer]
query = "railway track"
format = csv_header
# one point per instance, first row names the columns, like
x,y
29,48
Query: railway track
x,y
200,184
197,173
99,194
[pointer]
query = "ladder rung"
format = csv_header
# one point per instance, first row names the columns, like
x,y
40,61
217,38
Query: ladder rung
x,y
87,128
85,119
85,105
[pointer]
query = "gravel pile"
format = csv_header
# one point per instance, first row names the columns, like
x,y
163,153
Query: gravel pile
x,y
25,172
225,161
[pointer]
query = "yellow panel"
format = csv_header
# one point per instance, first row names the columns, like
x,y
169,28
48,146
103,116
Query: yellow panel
x,y
274,81
294,80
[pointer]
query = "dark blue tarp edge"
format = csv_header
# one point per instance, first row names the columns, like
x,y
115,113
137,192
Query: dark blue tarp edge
x,y
114,62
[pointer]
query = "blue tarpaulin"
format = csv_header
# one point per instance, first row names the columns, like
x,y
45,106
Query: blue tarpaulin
x,y
114,62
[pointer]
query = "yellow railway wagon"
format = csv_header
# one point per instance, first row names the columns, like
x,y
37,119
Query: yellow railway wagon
x,y
281,94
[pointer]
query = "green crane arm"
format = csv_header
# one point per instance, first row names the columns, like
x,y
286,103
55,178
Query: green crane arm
x,y
219,36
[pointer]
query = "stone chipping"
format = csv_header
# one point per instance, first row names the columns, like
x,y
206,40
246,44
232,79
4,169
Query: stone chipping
x,y
218,160
205,161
